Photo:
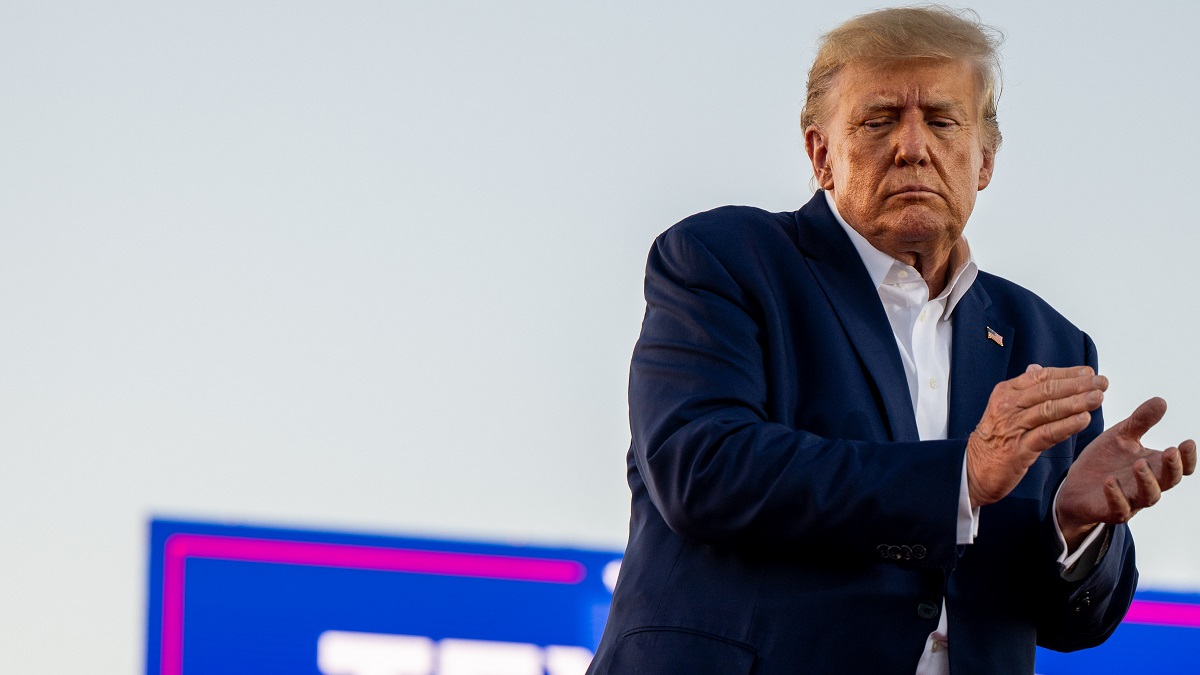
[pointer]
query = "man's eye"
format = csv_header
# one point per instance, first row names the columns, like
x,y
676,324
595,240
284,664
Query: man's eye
x,y
876,123
941,124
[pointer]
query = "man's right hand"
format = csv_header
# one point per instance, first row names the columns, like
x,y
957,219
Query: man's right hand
x,y
1024,417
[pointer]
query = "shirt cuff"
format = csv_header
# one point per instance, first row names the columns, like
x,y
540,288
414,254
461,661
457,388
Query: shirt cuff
x,y
1077,565
968,518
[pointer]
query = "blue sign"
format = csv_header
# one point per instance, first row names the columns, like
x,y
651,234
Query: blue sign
x,y
234,600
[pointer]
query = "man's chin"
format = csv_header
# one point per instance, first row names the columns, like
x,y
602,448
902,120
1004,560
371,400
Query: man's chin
x,y
922,224
924,233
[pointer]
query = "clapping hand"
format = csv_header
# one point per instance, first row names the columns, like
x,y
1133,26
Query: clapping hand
x,y
1116,476
1026,416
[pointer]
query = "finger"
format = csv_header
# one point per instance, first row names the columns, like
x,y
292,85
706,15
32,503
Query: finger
x,y
1146,416
1172,468
1058,388
1045,436
1187,453
1118,506
1058,409
1148,490
1036,374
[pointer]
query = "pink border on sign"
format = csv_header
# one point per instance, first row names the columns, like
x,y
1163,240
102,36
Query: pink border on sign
x,y
180,547
1175,614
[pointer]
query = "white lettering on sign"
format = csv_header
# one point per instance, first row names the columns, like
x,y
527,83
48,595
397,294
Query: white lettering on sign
x,y
480,657
346,653
340,653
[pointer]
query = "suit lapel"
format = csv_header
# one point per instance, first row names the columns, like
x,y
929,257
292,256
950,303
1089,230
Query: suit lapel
x,y
977,361
840,272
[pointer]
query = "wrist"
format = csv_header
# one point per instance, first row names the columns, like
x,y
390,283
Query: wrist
x,y
978,498
1073,532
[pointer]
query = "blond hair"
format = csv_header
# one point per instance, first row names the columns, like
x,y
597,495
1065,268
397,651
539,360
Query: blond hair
x,y
899,33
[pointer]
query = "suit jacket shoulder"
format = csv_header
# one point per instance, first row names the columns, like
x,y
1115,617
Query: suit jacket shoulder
x,y
1011,299
736,236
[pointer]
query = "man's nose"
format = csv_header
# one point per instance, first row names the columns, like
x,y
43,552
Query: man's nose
x,y
912,142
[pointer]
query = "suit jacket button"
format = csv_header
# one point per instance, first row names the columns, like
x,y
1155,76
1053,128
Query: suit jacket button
x,y
918,552
927,610
883,551
1084,602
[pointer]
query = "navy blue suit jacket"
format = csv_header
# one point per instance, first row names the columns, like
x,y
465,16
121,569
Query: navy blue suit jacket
x,y
785,516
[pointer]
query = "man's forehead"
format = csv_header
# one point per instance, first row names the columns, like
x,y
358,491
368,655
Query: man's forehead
x,y
881,68
930,83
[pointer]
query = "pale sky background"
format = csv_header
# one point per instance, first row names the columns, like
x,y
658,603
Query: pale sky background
x,y
377,266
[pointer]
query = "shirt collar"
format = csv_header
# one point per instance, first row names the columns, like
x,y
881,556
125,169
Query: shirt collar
x,y
879,264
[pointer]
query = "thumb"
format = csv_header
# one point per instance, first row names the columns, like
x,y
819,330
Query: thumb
x,y
1146,416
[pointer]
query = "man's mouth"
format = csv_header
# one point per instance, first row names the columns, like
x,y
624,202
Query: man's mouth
x,y
914,190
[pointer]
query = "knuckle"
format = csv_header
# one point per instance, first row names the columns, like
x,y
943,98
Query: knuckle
x,y
1049,409
1046,435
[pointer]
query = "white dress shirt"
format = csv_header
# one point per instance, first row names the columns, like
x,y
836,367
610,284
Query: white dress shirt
x,y
924,333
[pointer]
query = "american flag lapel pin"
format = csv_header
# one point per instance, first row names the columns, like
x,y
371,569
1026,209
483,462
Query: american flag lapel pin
x,y
995,337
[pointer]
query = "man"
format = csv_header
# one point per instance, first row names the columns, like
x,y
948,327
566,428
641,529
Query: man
x,y
852,451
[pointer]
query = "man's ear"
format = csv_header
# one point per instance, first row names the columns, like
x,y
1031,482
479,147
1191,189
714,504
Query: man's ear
x,y
818,153
985,169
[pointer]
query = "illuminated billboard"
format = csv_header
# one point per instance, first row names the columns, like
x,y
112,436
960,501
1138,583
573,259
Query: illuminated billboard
x,y
234,600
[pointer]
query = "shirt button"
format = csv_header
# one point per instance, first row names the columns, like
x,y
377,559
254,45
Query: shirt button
x,y
903,274
927,610
933,383
922,316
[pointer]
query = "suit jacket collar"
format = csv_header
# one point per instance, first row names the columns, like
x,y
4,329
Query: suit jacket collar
x,y
977,360
839,270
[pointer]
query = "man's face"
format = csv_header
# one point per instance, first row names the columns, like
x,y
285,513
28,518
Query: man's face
x,y
901,152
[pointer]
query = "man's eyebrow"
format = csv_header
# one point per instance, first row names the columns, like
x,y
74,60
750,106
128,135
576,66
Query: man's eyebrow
x,y
877,105
946,106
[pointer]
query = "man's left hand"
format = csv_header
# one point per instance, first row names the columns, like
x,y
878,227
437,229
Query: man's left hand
x,y
1116,476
